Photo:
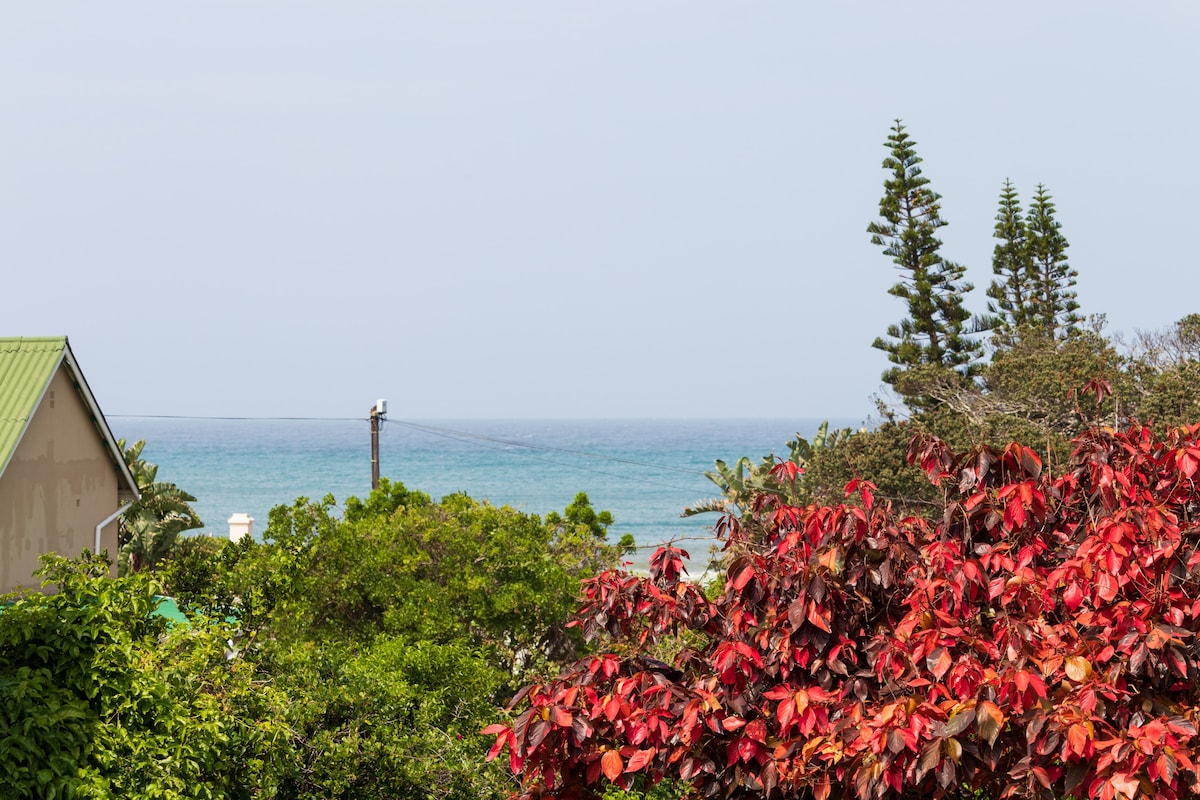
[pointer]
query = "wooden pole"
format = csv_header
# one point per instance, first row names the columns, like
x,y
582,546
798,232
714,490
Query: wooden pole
x,y
374,448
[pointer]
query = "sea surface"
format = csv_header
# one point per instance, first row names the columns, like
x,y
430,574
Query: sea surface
x,y
644,471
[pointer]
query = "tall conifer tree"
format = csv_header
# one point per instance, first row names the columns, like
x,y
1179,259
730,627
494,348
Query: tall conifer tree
x,y
1012,289
934,331
1053,304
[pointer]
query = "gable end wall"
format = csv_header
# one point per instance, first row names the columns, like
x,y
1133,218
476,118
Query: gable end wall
x,y
59,484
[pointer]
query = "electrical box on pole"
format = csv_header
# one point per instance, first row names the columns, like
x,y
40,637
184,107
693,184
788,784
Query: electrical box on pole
x,y
378,412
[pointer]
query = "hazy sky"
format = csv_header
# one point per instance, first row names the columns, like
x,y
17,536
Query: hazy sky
x,y
558,209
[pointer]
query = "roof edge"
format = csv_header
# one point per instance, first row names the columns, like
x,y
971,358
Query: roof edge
x,y
101,422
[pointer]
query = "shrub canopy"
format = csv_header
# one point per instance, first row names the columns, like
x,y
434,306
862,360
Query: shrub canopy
x,y
1036,638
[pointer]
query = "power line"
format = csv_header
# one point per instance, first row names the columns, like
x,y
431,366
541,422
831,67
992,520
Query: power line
x,y
513,443
237,419
447,434
466,437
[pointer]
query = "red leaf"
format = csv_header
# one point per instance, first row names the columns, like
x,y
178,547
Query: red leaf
x,y
537,732
1099,387
581,728
1181,725
1126,784
743,577
1188,464
1166,766
1178,661
690,715
612,708
939,662
1014,513
989,719
784,712
1077,738
639,760
795,612
1073,596
515,761
749,652
786,470
611,765
818,617
864,491
505,737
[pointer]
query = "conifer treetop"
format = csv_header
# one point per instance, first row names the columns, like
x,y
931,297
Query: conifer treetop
x,y
1011,290
1054,305
934,331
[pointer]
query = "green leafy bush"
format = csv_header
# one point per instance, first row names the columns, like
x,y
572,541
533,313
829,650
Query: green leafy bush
x,y
99,699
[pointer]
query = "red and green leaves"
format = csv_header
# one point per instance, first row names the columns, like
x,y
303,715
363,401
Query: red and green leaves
x,y
1038,638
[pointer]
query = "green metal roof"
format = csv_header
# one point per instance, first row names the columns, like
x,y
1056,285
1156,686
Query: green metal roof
x,y
26,367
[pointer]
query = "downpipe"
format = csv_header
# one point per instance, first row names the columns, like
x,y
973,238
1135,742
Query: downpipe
x,y
100,527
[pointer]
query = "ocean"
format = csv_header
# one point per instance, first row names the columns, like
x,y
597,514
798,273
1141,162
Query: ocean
x,y
644,471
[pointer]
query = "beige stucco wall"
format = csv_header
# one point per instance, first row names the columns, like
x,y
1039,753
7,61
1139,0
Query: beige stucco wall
x,y
60,483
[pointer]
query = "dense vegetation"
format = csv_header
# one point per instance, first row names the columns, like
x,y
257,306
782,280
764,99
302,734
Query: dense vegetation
x,y
352,657
1035,637
901,610
100,699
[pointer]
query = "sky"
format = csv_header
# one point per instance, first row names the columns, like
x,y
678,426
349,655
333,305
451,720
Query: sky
x,y
558,209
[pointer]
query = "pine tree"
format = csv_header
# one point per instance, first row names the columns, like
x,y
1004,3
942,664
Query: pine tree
x,y
934,332
1011,291
1053,304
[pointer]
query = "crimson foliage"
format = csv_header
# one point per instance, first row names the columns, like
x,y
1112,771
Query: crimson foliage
x,y
1036,639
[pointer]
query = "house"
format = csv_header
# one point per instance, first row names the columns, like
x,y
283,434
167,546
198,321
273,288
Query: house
x,y
63,479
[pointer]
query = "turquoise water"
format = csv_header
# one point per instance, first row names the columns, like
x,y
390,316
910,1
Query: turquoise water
x,y
643,471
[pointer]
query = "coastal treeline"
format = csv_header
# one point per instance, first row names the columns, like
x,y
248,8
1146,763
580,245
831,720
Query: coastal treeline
x,y
987,591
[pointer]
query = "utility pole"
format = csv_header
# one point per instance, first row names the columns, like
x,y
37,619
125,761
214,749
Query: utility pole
x,y
378,412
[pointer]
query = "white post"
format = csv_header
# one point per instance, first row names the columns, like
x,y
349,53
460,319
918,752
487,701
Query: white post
x,y
240,524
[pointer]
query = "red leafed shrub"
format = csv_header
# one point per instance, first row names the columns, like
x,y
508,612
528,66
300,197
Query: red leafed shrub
x,y
1036,639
